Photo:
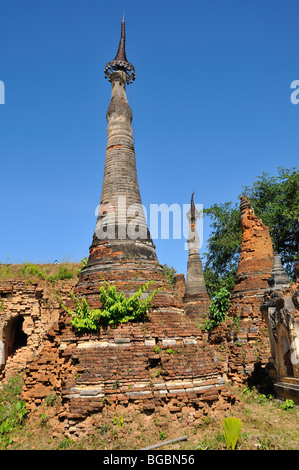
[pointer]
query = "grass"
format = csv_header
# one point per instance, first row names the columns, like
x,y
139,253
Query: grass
x,y
32,272
12,410
266,425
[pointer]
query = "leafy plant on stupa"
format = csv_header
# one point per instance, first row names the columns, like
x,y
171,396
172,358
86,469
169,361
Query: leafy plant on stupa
x,y
116,308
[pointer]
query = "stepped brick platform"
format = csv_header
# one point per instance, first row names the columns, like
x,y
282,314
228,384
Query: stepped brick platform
x,y
161,362
126,275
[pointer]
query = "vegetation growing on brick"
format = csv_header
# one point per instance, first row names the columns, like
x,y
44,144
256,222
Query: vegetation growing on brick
x,y
217,311
115,308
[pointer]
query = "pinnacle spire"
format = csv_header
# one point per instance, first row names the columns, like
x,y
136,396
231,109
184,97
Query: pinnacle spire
x,y
192,206
196,291
279,279
120,62
121,52
192,215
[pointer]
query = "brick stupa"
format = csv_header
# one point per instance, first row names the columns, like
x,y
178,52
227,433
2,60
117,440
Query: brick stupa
x,y
158,362
248,342
256,258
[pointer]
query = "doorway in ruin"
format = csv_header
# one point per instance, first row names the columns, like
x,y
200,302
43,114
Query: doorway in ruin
x,y
14,336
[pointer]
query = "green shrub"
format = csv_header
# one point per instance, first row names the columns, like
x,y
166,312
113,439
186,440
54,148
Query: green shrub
x,y
83,263
21,410
12,409
169,273
115,308
217,310
169,351
33,270
118,421
63,273
51,399
288,405
43,419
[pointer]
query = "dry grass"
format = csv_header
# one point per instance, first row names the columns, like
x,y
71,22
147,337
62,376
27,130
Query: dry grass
x,y
33,272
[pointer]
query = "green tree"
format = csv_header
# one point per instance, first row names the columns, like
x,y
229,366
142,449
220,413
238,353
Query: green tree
x,y
169,273
221,260
219,306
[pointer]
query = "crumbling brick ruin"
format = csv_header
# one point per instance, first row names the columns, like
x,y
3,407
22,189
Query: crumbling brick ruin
x,y
255,264
28,310
244,335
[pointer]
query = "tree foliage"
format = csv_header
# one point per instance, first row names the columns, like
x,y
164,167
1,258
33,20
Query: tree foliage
x,y
169,273
223,247
217,310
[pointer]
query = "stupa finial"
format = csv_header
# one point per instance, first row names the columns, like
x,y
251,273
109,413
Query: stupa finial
x,y
120,62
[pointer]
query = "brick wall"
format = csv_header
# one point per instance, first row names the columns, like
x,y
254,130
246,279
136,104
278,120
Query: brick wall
x,y
28,310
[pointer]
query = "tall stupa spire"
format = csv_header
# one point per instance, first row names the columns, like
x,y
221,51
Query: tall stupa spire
x,y
196,295
121,234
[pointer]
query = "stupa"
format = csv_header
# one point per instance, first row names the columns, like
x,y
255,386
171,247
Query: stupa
x,y
121,245
162,361
196,297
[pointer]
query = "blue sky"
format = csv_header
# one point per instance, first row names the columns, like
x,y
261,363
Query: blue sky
x,y
211,105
